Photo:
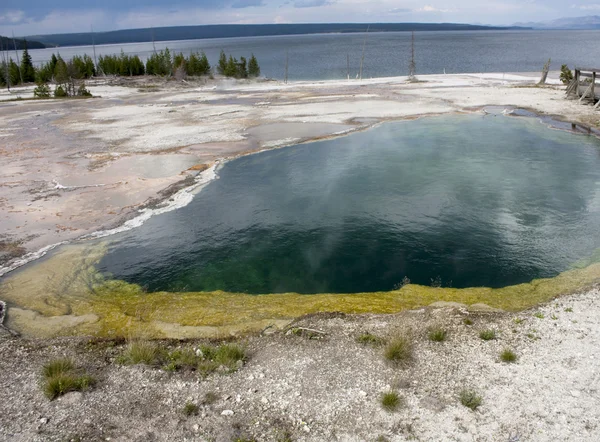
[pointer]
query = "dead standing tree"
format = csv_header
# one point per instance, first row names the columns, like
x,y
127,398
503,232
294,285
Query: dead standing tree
x,y
412,66
545,71
362,58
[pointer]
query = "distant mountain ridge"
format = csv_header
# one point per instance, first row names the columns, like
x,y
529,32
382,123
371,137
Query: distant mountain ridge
x,y
226,31
10,43
588,22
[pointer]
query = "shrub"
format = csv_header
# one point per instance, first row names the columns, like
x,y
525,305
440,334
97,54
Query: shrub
x,y
59,92
390,401
437,334
400,350
508,356
487,335
42,91
82,91
470,399
566,75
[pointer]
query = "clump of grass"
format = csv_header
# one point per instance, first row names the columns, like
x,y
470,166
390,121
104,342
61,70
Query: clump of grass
x,y
210,398
470,399
58,367
400,350
518,320
569,310
468,321
539,315
140,352
61,377
487,335
437,334
370,339
507,355
190,409
181,359
391,401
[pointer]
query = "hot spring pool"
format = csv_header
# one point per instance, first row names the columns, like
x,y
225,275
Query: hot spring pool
x,y
453,201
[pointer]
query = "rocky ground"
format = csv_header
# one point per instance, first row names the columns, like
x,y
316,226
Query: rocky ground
x,y
314,386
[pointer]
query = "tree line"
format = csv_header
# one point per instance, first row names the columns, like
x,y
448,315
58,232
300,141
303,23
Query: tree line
x,y
82,67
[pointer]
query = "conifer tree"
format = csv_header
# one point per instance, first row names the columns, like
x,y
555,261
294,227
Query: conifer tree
x,y
242,71
231,69
253,67
222,66
27,68
14,74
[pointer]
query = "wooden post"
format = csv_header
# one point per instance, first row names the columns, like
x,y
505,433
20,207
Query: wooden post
x,y
545,71
577,76
593,85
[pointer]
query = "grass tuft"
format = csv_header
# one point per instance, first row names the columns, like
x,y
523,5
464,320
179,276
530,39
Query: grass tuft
x,y
58,367
470,399
487,335
391,401
437,334
190,409
539,315
60,377
400,350
210,398
140,352
370,339
468,321
509,356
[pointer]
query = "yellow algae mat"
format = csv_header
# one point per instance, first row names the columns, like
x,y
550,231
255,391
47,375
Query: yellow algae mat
x,y
64,294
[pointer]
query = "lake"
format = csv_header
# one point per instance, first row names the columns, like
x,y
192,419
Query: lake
x,y
452,201
325,56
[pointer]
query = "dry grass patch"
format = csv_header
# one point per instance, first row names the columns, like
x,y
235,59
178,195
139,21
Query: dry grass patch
x,y
470,399
391,401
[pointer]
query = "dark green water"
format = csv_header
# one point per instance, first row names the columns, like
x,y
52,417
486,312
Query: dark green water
x,y
465,200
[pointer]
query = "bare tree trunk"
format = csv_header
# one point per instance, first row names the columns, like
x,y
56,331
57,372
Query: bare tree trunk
x,y
412,66
362,58
545,72
17,55
287,58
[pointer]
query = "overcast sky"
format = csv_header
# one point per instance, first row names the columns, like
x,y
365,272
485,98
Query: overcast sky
x,y
27,17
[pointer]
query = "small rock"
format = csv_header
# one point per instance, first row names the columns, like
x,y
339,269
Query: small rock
x,y
196,427
362,393
264,400
44,420
72,398
306,429
575,393
227,413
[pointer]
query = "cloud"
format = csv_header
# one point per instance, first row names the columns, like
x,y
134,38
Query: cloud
x,y
429,8
240,4
400,11
311,3
12,17
592,7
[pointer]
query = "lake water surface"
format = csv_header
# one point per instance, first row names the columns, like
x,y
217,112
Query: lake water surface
x,y
324,56
460,201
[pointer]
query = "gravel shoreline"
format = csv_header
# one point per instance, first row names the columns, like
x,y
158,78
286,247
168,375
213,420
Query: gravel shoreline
x,y
330,388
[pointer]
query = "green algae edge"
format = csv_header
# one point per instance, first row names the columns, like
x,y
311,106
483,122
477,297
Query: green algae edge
x,y
65,295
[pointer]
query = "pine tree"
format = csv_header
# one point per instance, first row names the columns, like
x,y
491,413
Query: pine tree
x,y
222,66
204,67
242,71
27,68
14,74
231,69
253,67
